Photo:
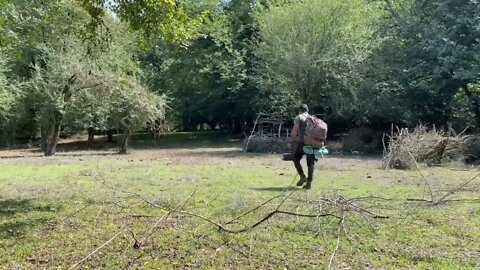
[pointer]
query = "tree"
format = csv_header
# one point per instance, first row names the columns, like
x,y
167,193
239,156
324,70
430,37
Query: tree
x,y
166,18
8,92
313,51
204,79
47,41
134,108
73,80
433,52
64,74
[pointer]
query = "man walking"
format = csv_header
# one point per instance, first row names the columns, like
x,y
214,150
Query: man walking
x,y
296,142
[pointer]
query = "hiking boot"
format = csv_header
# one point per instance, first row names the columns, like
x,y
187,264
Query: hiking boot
x,y
302,181
308,185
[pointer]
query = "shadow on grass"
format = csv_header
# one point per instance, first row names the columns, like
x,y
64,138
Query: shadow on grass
x,y
12,207
10,226
61,154
276,189
185,140
219,144
142,141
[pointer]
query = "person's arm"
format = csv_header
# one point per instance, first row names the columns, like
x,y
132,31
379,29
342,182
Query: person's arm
x,y
294,134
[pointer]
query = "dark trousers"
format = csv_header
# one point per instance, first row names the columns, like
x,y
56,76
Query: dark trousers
x,y
310,162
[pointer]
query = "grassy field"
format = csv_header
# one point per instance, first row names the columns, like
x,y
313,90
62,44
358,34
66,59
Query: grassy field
x,y
147,210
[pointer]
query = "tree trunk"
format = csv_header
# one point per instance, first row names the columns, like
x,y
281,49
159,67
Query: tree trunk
x,y
475,104
250,122
237,128
50,140
212,125
91,136
44,135
110,135
124,145
243,123
187,123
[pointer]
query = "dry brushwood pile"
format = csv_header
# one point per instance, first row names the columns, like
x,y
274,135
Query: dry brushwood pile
x,y
265,144
431,146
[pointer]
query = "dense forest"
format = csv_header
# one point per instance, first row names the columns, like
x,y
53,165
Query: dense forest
x,y
70,66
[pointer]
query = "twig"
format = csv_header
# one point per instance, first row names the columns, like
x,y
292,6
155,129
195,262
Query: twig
x,y
339,231
362,210
96,217
251,134
252,210
369,197
417,200
142,242
220,247
152,230
96,250
74,213
281,238
456,189
256,224
133,261
346,233
251,247
423,177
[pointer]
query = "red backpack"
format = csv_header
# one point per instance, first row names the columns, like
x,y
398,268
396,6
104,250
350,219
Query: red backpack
x,y
315,132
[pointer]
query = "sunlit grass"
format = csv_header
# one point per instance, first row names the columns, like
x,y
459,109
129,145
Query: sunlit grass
x,y
54,212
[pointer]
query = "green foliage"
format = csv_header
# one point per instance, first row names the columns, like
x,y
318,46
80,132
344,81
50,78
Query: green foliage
x,y
218,63
205,79
64,72
8,93
313,52
432,52
134,107
166,18
73,82
12,99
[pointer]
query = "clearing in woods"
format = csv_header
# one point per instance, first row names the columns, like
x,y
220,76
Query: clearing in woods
x,y
162,208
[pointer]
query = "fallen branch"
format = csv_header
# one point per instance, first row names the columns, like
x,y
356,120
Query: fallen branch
x,y
252,210
152,230
423,177
332,258
256,224
96,250
442,199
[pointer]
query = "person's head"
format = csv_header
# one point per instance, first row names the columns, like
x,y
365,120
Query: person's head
x,y
303,108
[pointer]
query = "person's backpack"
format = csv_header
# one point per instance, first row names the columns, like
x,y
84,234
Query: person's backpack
x,y
315,132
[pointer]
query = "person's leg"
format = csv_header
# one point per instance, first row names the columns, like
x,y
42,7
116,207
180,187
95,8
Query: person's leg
x,y
311,168
298,166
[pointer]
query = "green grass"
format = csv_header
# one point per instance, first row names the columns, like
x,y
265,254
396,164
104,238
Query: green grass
x,y
55,211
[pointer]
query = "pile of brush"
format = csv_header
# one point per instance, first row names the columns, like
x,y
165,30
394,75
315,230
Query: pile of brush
x,y
265,144
407,147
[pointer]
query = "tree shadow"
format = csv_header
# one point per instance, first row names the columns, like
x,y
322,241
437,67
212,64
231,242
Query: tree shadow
x,y
276,189
139,141
10,226
185,140
62,154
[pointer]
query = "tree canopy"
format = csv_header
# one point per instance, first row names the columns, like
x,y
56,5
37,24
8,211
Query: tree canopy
x,y
123,66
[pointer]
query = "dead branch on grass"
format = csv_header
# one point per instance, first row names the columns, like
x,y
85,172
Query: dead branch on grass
x,y
425,180
96,250
252,210
339,233
152,230
326,208
442,199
